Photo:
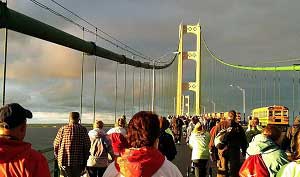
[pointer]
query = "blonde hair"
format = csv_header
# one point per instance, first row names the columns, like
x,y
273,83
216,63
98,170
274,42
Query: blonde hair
x,y
98,124
199,127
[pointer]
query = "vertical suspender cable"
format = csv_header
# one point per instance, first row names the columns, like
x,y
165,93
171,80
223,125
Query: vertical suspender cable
x,y
125,84
4,66
261,91
149,90
95,81
133,89
144,89
173,89
163,93
158,89
266,85
293,94
116,91
254,90
167,88
140,88
82,69
298,98
153,88
279,88
274,87
210,83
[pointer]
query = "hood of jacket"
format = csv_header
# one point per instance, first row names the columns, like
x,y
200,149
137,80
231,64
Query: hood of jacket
x,y
13,149
259,144
143,161
96,133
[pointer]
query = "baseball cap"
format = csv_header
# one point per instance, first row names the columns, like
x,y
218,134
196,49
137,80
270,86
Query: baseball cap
x,y
12,115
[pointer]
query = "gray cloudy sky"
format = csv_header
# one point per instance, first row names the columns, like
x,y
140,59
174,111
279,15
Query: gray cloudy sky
x,y
46,77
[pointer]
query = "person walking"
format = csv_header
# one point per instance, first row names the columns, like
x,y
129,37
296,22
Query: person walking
x,y
288,141
100,149
166,143
71,147
17,158
142,158
229,155
292,169
117,136
253,129
199,141
266,144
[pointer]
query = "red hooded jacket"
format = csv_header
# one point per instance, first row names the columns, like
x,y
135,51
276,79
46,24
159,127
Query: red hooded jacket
x,y
17,158
139,162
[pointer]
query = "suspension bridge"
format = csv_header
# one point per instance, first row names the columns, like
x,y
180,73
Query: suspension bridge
x,y
136,81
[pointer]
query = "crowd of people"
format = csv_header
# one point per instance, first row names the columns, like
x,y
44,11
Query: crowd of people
x,y
146,146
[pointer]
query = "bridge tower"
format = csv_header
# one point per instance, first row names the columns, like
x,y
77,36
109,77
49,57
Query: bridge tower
x,y
189,55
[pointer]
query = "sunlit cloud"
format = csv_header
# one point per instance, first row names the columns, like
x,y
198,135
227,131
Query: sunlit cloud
x,y
57,117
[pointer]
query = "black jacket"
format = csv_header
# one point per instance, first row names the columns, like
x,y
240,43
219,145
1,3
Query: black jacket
x,y
166,145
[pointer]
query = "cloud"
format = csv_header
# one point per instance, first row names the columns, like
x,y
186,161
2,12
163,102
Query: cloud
x,y
48,61
58,117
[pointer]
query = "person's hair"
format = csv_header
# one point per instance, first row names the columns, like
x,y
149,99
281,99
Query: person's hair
x,y
195,120
272,132
233,113
121,122
256,118
74,117
163,123
253,121
143,129
199,127
98,124
297,145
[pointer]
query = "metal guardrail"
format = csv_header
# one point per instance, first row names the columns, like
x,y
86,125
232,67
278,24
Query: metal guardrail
x,y
54,170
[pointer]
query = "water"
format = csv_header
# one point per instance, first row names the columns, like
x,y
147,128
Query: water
x,y
41,138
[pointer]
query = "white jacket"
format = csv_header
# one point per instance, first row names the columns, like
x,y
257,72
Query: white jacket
x,y
117,130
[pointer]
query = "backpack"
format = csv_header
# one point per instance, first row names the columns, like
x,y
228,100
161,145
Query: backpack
x,y
221,139
254,166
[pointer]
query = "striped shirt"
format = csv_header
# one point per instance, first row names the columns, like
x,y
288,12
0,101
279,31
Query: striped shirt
x,y
72,145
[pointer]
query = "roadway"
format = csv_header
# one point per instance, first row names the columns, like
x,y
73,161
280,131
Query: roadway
x,y
183,159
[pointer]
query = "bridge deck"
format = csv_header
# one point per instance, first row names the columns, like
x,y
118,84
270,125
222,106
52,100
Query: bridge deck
x,y
183,159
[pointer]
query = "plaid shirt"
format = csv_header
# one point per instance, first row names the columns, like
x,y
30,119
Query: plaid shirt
x,y
72,145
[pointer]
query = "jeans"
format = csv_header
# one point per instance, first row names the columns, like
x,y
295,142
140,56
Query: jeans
x,y
200,167
73,171
96,171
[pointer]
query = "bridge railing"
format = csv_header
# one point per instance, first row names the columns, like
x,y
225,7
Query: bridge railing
x,y
53,166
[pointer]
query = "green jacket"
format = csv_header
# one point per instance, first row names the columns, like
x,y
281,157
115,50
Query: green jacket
x,y
199,143
274,158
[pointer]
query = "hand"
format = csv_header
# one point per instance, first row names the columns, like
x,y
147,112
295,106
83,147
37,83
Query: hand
x,y
213,157
244,154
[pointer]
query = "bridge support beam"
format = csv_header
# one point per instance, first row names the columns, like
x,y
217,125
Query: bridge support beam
x,y
192,55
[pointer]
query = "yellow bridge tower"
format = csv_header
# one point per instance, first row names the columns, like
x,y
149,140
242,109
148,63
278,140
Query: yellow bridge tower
x,y
192,55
